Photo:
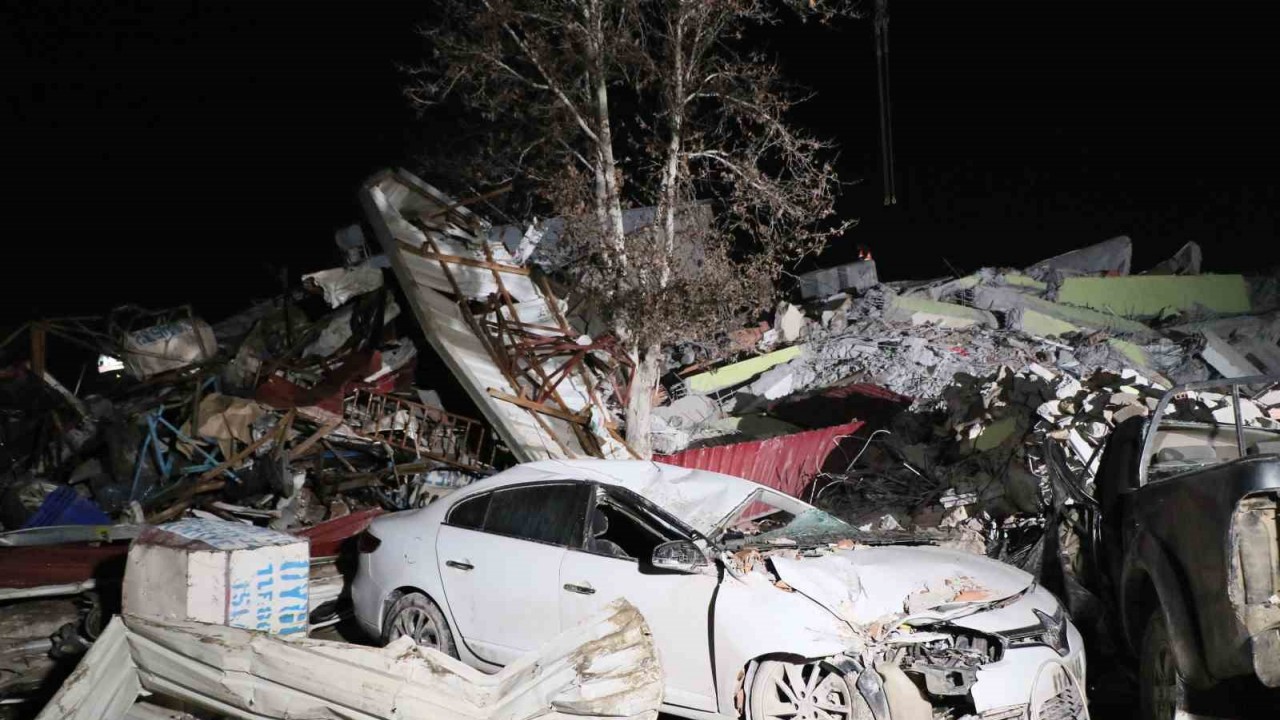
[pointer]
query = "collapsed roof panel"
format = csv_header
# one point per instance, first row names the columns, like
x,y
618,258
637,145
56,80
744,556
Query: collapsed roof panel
x,y
517,357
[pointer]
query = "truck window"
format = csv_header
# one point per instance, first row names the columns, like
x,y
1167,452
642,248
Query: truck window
x,y
1198,430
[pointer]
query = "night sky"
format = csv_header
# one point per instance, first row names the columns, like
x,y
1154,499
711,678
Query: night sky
x,y
170,152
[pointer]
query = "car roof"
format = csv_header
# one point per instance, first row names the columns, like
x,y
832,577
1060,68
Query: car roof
x,y
699,498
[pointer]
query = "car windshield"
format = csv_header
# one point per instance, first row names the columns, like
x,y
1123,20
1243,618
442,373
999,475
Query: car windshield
x,y
773,520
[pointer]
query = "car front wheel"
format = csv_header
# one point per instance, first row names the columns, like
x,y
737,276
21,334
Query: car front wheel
x,y
804,691
416,616
1162,690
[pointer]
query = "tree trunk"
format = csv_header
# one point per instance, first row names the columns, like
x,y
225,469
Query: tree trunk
x,y
640,404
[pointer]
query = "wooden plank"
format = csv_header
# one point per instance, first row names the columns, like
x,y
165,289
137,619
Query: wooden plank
x,y
38,338
538,407
301,449
345,463
246,452
470,262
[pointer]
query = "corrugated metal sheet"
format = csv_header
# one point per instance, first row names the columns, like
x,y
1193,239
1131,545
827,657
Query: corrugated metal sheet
x,y
786,463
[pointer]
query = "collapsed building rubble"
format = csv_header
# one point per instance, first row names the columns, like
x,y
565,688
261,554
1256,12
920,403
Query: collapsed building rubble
x,y
933,411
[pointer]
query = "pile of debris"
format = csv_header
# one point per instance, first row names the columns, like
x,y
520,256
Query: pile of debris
x,y
936,411
300,410
963,381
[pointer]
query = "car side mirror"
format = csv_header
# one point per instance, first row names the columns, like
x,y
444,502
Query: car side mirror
x,y
682,556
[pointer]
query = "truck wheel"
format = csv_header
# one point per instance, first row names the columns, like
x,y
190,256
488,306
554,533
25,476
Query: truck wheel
x,y
416,616
1162,692
804,691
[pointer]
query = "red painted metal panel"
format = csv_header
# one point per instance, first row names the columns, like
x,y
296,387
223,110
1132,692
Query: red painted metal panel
x,y
787,463
26,567
33,566
327,537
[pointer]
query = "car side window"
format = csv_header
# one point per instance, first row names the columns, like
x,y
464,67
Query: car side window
x,y
622,530
553,514
470,513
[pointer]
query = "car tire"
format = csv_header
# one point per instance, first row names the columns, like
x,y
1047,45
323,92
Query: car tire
x,y
804,691
415,615
1161,690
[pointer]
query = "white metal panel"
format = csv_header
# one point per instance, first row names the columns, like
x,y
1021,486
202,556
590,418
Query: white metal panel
x,y
104,685
387,197
604,668
497,626
679,628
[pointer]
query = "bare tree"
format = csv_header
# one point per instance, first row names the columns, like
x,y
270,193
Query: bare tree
x,y
595,106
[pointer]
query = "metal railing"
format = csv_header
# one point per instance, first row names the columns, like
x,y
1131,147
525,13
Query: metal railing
x,y
426,431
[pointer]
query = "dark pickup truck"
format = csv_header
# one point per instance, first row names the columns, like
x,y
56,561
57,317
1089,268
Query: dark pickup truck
x,y
1186,548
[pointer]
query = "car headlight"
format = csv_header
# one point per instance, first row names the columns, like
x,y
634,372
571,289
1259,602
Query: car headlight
x,y
1050,631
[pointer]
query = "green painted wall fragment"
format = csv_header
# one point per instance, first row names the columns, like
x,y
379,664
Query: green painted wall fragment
x,y
740,372
946,314
1019,280
1148,296
1034,322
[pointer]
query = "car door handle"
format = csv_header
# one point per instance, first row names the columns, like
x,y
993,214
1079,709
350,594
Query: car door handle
x,y
460,565
584,589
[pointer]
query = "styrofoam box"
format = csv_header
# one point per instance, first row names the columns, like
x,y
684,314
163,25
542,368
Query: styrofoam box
x,y
219,572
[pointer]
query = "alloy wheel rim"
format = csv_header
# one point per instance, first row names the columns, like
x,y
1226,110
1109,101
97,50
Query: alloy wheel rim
x,y
806,692
416,624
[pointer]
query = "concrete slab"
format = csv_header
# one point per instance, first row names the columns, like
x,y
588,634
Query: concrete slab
x,y
1110,256
860,276
1051,317
920,310
1223,358
1149,296
740,372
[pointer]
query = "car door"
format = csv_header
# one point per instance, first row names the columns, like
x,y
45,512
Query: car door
x,y
615,561
500,556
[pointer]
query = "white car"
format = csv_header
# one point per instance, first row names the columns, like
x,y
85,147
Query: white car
x,y
760,605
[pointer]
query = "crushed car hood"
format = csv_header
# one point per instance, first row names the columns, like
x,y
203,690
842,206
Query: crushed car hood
x,y
866,585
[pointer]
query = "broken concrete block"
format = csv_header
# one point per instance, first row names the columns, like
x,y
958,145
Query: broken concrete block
x,y
1124,399
835,314
789,320
1131,352
954,287
1226,360
860,276
689,410
1016,304
1184,262
222,573
1066,386
1249,413
1023,281
1260,352
1042,372
1127,412
1034,322
1269,398
920,310
1110,257
1150,296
